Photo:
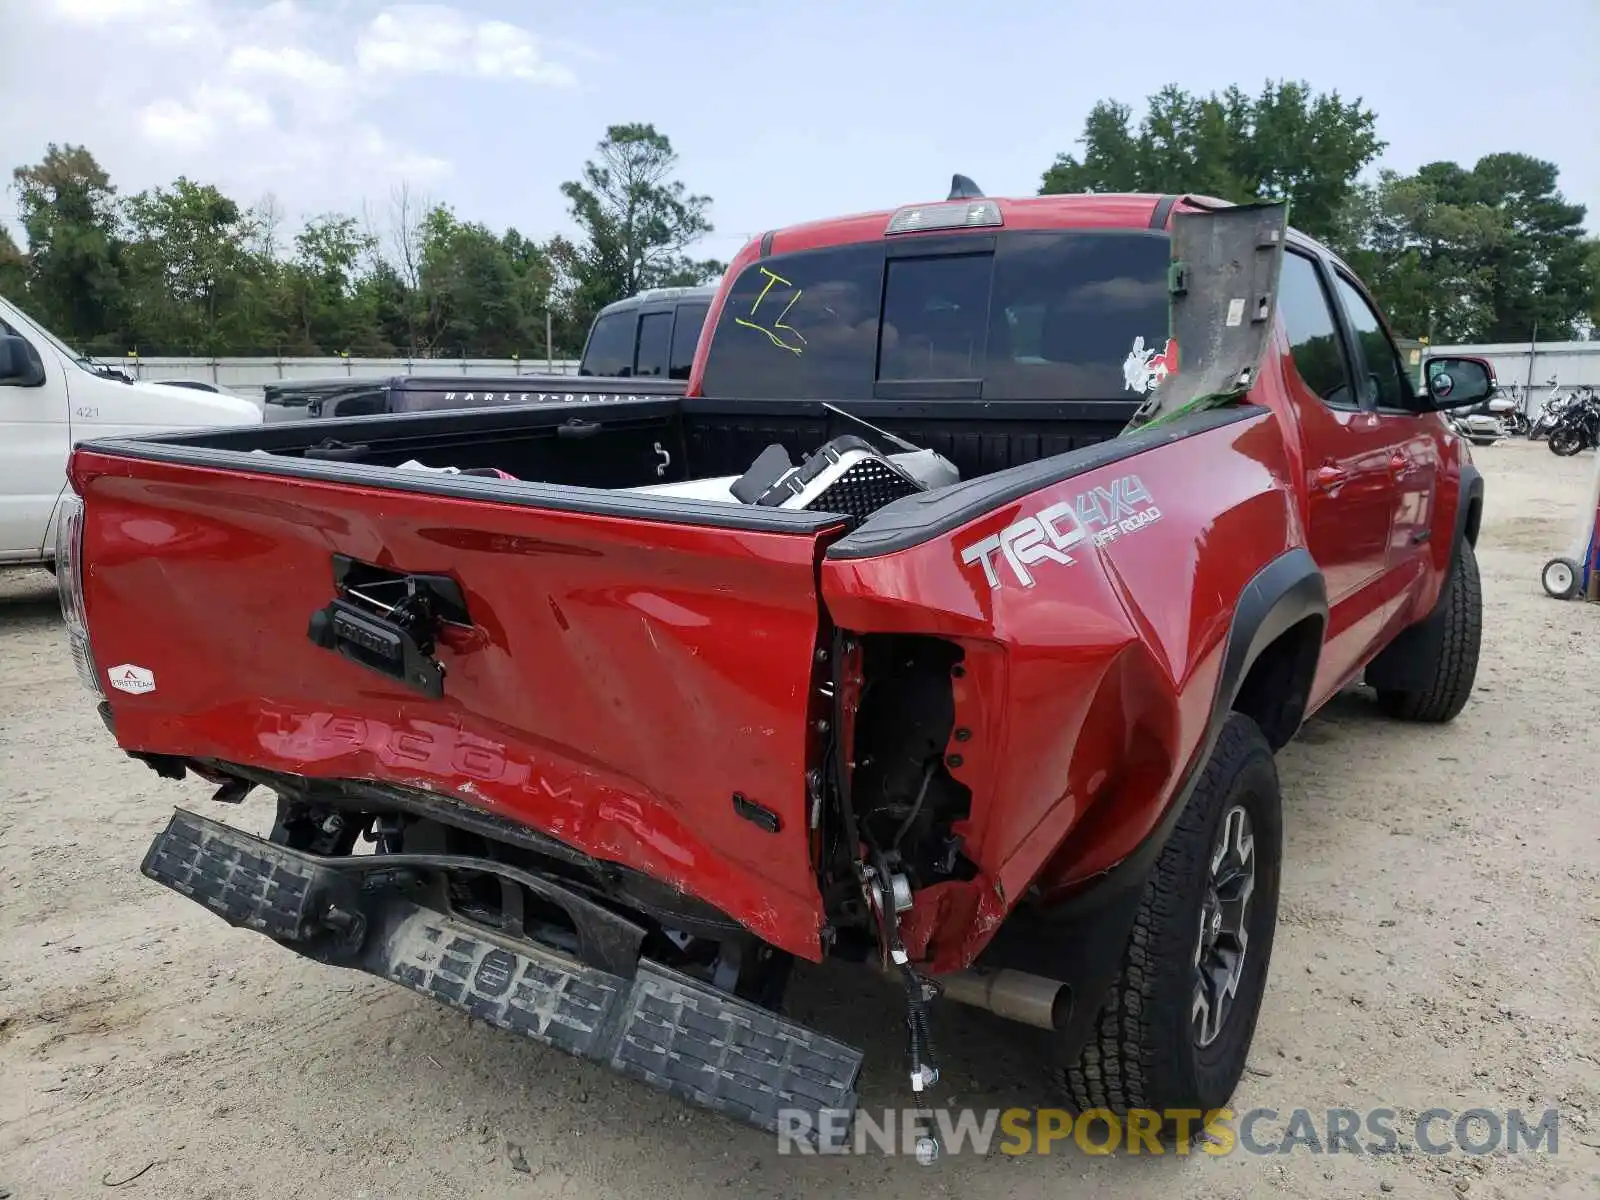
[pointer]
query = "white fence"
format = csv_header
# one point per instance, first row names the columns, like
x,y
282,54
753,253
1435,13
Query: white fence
x,y
250,374
1567,364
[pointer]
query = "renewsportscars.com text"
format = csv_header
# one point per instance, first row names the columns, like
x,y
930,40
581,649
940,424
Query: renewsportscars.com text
x,y
1260,1131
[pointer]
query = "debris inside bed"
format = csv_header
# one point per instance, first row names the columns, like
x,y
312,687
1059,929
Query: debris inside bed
x,y
846,475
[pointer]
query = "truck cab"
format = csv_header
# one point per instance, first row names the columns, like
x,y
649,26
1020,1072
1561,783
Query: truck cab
x,y
52,398
652,335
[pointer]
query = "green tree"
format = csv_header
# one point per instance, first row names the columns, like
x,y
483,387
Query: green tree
x,y
186,269
636,221
471,289
1422,257
1539,267
189,269
534,273
69,212
1481,255
1593,256
13,266
332,315
1287,143
267,319
395,275
381,292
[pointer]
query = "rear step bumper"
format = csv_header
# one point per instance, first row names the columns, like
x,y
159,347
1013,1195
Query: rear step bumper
x,y
660,1027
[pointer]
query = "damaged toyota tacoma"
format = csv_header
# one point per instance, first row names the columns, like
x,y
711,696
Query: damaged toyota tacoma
x,y
947,625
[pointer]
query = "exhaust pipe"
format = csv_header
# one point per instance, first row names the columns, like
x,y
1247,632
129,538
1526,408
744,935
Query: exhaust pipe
x,y
1014,995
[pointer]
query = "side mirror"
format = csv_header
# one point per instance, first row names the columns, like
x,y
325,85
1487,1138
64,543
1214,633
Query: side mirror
x,y
1458,383
19,363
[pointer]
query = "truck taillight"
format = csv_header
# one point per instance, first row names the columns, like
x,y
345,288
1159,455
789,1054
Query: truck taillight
x,y
69,584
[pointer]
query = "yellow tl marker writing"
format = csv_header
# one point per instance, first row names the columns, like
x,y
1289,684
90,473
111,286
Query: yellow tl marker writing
x,y
774,279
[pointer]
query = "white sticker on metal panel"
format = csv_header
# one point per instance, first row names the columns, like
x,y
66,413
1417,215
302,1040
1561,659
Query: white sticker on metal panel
x,y
129,678
1235,311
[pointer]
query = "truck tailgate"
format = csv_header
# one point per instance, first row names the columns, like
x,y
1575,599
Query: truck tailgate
x,y
638,689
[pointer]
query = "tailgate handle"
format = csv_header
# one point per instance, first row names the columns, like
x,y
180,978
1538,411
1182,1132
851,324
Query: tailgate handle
x,y
577,427
387,621
378,644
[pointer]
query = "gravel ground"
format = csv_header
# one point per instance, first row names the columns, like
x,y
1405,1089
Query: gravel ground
x,y
1440,946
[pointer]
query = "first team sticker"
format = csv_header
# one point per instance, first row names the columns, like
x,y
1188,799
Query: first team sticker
x,y
129,678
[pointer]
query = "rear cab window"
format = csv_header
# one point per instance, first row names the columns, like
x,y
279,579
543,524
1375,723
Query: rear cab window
x,y
1021,315
610,347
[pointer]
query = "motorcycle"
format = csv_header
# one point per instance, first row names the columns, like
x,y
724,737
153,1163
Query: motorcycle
x,y
1488,422
1577,426
1547,412
1512,419
1479,428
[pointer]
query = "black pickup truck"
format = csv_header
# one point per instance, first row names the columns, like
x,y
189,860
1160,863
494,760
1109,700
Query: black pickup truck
x,y
637,348
649,336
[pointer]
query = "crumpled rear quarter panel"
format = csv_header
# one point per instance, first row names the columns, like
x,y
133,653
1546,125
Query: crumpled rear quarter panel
x,y
1088,693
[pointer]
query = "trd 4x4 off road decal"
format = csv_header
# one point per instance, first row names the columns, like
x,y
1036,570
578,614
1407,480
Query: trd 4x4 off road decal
x,y
1124,506
1101,514
1031,540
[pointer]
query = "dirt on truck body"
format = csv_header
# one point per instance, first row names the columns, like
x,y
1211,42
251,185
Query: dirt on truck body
x,y
947,625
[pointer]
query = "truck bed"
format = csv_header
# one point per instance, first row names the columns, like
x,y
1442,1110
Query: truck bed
x,y
633,675
612,445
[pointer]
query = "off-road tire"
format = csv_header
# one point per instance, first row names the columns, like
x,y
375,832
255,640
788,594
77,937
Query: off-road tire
x,y
1457,664
1142,1052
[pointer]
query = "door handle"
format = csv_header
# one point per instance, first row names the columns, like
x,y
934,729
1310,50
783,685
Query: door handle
x,y
1330,478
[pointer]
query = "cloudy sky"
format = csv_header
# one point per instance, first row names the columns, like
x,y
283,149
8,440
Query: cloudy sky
x,y
781,111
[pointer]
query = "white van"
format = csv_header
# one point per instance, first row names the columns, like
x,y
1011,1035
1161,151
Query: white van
x,y
50,400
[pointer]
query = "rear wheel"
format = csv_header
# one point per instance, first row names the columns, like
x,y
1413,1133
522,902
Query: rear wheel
x,y
1176,1028
1561,578
1451,674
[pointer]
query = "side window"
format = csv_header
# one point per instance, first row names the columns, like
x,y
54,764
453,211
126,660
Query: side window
x,y
610,348
1313,333
801,326
655,331
1385,384
935,317
685,337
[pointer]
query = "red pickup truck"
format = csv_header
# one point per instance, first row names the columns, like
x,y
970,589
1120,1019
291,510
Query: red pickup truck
x,y
947,625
